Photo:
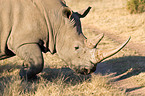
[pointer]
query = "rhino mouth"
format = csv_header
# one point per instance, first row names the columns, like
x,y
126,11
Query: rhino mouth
x,y
85,71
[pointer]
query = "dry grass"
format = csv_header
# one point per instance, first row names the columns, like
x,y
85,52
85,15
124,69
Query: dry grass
x,y
58,80
96,87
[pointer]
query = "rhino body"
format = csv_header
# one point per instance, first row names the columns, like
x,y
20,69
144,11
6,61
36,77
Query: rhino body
x,y
30,27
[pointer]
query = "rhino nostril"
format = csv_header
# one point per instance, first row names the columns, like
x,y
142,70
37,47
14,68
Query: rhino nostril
x,y
93,69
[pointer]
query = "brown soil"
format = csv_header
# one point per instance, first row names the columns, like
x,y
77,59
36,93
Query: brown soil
x,y
126,83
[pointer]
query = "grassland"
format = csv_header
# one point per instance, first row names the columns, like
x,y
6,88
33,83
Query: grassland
x,y
120,75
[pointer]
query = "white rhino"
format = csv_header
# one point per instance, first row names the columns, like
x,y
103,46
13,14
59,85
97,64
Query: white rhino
x,y
30,27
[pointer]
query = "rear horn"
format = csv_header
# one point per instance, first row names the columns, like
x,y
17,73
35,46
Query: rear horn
x,y
93,42
100,56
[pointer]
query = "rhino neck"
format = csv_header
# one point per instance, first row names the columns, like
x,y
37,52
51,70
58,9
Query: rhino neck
x,y
52,18
55,25
61,30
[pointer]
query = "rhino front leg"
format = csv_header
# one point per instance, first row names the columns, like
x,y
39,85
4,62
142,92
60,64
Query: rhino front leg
x,y
33,60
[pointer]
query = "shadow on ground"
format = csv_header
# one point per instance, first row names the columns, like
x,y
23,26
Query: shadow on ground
x,y
66,74
123,68
9,67
136,65
6,76
118,66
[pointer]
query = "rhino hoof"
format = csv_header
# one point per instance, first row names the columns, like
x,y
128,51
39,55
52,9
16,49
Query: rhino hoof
x,y
25,77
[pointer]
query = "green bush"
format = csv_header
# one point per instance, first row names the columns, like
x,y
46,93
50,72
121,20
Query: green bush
x,y
136,6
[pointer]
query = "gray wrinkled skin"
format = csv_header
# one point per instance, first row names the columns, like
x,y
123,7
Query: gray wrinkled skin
x,y
30,27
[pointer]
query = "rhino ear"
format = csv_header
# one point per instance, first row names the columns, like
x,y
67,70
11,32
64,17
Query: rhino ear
x,y
63,2
84,12
67,12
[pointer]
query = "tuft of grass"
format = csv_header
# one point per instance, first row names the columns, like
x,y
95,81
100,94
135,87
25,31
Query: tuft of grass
x,y
136,6
97,86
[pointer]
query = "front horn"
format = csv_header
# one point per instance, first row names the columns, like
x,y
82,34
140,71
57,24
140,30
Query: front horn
x,y
100,56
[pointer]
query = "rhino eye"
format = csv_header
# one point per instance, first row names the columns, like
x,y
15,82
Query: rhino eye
x,y
76,47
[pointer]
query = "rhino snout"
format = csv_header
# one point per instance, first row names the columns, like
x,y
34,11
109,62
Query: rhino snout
x,y
86,70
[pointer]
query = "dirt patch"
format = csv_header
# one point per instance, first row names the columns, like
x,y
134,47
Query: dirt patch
x,y
131,88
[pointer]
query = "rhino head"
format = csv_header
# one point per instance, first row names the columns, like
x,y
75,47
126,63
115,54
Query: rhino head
x,y
78,51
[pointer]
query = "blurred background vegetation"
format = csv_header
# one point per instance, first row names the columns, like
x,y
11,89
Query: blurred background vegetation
x,y
136,6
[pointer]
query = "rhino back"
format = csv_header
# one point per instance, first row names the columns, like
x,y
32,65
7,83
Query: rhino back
x,y
26,24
